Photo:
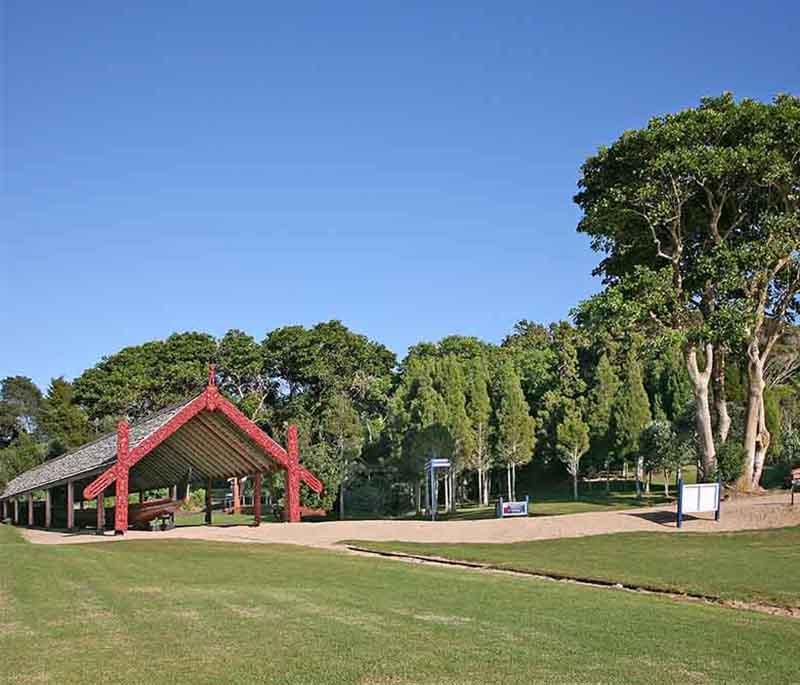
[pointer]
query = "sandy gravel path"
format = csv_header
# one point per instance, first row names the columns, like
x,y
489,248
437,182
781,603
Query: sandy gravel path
x,y
768,511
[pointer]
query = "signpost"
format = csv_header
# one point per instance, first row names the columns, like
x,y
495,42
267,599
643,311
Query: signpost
x,y
507,509
698,498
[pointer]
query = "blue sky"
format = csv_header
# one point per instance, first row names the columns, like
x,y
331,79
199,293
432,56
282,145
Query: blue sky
x,y
406,168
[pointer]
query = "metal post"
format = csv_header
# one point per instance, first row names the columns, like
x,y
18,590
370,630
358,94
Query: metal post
x,y
70,505
434,498
679,487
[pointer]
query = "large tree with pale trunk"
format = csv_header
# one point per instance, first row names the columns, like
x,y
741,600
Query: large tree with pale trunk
x,y
697,216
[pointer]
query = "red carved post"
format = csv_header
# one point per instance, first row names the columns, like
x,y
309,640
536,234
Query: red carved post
x,y
121,499
292,497
70,505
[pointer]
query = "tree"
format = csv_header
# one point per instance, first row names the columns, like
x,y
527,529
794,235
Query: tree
x,y
63,421
697,217
631,415
479,411
243,374
573,441
602,398
344,435
24,454
665,449
20,401
515,426
141,379
451,384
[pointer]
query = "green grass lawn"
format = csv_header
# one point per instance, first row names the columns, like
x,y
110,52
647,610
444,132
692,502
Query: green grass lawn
x,y
201,612
760,566
554,502
218,519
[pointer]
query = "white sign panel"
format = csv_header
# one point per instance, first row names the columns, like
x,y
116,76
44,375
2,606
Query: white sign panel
x,y
699,498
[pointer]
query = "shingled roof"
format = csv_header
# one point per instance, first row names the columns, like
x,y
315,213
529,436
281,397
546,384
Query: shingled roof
x,y
89,459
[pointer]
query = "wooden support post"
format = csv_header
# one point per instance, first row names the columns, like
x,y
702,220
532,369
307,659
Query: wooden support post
x,y
71,505
48,508
5,509
257,499
173,493
121,498
237,497
292,495
101,513
16,511
208,502
30,509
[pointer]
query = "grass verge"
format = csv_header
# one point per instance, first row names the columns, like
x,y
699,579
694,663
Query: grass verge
x,y
753,566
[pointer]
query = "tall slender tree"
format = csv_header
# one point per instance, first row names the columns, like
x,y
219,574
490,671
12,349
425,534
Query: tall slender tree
x,y
515,426
632,415
479,410
573,442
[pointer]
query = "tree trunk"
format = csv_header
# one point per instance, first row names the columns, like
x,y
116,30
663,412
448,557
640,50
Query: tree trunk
x,y
575,484
700,382
418,497
487,485
666,483
514,482
639,462
762,445
720,398
341,502
508,478
480,487
754,425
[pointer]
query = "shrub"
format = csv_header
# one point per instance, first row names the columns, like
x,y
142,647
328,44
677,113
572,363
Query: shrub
x,y
730,461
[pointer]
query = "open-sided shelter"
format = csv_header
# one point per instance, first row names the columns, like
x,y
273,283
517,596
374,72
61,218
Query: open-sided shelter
x,y
198,441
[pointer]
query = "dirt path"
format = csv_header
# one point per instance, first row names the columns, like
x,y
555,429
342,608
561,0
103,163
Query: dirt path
x,y
768,511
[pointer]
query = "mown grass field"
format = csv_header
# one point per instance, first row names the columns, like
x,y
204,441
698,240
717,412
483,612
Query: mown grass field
x,y
762,566
200,612
556,504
